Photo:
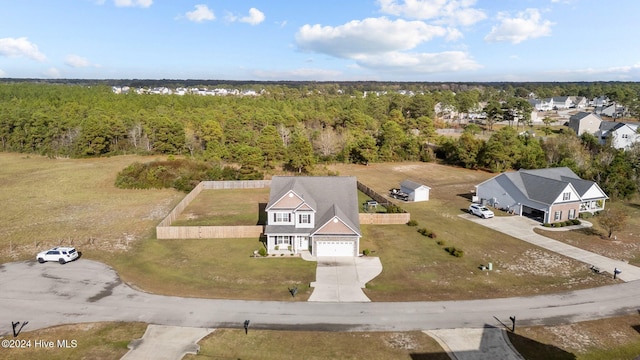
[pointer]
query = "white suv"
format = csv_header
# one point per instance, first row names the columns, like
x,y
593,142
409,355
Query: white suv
x,y
60,254
480,210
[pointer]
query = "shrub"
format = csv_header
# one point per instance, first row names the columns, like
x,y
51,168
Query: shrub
x,y
366,252
262,252
394,209
425,232
575,222
546,225
440,242
432,235
568,223
412,222
455,251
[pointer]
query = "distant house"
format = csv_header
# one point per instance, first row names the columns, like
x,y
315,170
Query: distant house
x,y
319,214
585,122
548,195
579,102
562,102
415,191
542,104
621,135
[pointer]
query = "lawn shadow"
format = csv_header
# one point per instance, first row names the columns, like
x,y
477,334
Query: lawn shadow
x,y
262,214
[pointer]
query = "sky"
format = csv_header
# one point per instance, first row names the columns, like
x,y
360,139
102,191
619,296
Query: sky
x,y
322,40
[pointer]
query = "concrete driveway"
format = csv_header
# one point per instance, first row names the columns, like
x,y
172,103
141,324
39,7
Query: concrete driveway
x,y
341,279
522,227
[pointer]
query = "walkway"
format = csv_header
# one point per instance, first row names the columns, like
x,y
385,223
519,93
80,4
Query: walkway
x,y
522,227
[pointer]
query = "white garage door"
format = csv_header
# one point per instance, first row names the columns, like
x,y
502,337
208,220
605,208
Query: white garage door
x,y
335,248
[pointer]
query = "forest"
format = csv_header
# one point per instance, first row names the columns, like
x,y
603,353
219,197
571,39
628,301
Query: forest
x,y
294,126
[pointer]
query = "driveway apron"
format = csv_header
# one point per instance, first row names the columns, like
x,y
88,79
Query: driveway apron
x,y
341,279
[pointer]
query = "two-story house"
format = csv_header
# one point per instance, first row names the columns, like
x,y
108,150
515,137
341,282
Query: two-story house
x,y
317,214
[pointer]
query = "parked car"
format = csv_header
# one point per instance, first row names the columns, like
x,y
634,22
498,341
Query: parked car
x,y
60,254
480,210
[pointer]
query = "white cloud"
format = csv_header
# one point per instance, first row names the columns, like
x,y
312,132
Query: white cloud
x,y
526,25
52,73
18,47
77,61
2,73
255,17
368,36
298,74
200,14
448,61
451,12
133,3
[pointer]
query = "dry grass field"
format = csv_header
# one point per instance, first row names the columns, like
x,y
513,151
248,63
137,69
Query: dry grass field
x,y
48,202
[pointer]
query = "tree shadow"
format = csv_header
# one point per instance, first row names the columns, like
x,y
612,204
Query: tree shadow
x,y
469,196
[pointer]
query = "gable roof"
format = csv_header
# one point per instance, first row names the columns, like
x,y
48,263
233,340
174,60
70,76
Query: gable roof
x,y
329,196
545,185
412,185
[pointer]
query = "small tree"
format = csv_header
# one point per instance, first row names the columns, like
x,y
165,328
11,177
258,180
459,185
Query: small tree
x,y
612,220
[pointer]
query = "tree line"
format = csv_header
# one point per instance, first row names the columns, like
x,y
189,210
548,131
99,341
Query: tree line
x,y
299,126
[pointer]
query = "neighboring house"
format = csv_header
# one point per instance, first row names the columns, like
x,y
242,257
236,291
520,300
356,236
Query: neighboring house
x,y
562,102
416,192
621,135
548,195
319,214
542,104
579,102
585,122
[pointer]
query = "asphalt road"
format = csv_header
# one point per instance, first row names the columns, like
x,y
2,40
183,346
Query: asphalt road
x,y
87,291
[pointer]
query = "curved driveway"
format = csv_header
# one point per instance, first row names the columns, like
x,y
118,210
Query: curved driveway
x,y
88,291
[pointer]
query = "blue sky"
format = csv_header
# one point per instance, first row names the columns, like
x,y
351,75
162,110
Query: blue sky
x,y
328,40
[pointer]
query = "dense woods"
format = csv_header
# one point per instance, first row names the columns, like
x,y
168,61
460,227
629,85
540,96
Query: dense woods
x,y
295,126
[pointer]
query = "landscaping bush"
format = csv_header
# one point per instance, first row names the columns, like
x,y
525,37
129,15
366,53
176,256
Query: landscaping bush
x,y
412,222
547,225
366,252
440,242
432,235
425,232
262,252
455,251
575,222
394,209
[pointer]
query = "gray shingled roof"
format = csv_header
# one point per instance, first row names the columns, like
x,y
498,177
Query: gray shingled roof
x,y
412,185
545,185
329,195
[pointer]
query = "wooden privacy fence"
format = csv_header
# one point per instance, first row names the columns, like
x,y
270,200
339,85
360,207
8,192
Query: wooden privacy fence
x,y
384,219
164,230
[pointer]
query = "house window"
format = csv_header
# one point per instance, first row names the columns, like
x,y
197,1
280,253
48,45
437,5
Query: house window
x,y
566,196
572,214
281,217
625,136
283,240
304,218
557,216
